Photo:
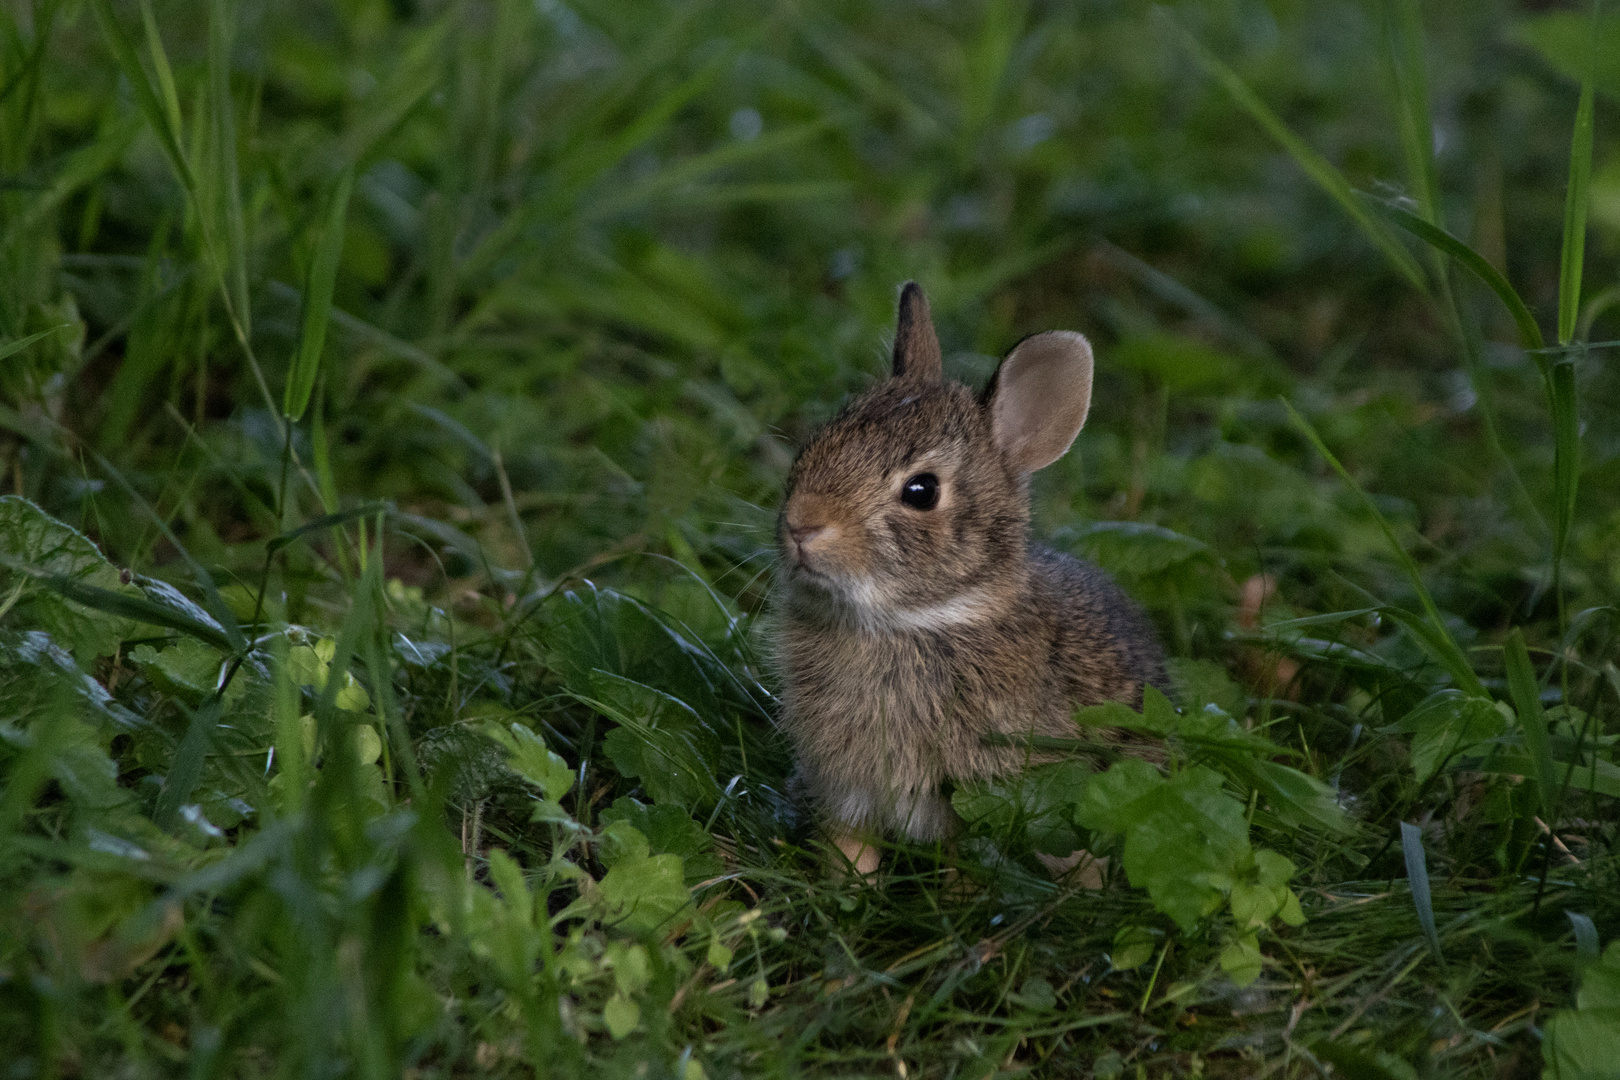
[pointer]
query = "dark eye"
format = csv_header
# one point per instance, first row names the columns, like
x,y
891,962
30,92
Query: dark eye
x,y
921,492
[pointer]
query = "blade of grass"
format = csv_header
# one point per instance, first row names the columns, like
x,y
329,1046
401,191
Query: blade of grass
x,y
1317,167
27,72
157,114
138,608
1417,876
321,452
185,770
638,194
1586,935
1526,693
229,229
1529,333
214,604
1467,336
1576,197
170,100
1560,374
318,302
1595,307
1465,328
1438,640
326,521
158,117
1566,455
419,71
1403,28
11,348
1403,31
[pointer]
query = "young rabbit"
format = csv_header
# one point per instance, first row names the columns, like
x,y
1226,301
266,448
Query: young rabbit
x,y
915,616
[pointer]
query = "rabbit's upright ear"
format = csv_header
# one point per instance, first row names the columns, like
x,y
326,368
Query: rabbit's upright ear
x,y
916,347
1039,398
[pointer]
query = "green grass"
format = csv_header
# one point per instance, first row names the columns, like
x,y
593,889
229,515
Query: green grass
x,y
394,399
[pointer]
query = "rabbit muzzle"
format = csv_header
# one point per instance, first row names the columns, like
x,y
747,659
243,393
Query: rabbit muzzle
x,y
813,538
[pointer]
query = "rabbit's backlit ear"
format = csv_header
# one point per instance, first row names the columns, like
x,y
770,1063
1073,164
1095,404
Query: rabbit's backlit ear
x,y
1039,398
916,348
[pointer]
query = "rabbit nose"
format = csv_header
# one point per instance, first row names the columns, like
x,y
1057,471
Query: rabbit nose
x,y
803,534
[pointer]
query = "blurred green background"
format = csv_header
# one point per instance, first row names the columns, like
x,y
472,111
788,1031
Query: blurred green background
x,y
603,266
635,252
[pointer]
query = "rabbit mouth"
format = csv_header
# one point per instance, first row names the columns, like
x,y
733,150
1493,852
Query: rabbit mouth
x,y
802,570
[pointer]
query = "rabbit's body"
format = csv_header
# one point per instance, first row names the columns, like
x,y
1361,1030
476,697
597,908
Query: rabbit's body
x,y
915,617
883,717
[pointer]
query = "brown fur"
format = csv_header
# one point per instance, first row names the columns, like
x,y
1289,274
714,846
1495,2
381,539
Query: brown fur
x,y
904,635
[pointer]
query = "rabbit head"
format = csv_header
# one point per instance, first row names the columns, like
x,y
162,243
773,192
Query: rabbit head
x,y
910,509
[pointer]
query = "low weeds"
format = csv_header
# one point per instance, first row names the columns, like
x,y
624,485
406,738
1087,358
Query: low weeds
x,y
382,688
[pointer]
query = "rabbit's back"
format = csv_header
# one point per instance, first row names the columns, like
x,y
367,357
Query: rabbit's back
x,y
1103,648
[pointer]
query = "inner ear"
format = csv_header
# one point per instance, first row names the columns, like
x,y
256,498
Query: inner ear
x,y
916,347
1039,397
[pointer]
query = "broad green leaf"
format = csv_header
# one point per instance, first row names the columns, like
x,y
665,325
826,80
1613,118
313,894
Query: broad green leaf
x,y
158,607
643,897
40,550
32,655
1600,982
669,830
1033,806
188,667
621,1015
533,760
1294,797
1210,736
1205,682
310,666
632,970
1254,905
1240,959
1186,839
621,841
367,743
1581,1045
1138,553
1035,993
660,741
1447,724
1133,946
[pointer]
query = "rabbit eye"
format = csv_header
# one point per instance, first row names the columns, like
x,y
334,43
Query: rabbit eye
x,y
921,492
